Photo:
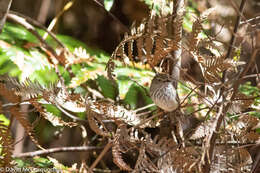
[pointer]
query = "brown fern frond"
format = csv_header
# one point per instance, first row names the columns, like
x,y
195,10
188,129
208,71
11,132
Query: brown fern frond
x,y
244,124
6,144
182,160
193,38
21,117
93,120
27,89
212,67
8,94
197,28
250,137
56,121
70,102
202,130
15,112
241,102
93,124
151,41
110,111
116,152
231,160
110,67
143,162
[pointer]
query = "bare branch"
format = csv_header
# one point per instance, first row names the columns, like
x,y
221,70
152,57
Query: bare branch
x,y
56,150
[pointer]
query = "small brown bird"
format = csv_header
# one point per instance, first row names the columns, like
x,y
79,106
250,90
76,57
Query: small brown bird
x,y
163,92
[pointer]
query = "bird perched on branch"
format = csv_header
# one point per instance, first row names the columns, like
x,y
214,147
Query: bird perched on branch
x,y
163,92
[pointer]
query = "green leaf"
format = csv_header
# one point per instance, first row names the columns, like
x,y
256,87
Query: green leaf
x,y
21,163
14,33
5,120
52,109
108,88
42,162
108,4
71,43
137,97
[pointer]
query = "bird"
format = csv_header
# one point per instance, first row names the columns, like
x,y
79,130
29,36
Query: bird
x,y
163,92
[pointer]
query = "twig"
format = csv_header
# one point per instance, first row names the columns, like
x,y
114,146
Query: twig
x,y
251,76
56,18
211,138
232,41
56,150
39,25
210,143
107,147
111,15
68,114
143,108
186,97
4,10
146,120
106,171
31,29
249,20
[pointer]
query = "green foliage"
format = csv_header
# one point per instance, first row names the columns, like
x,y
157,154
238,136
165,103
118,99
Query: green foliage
x,y
21,56
5,121
42,162
137,96
251,91
108,88
108,4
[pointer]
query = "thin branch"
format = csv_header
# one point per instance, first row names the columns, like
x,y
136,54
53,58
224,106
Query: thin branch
x,y
210,143
56,18
249,20
39,25
4,10
56,150
111,15
233,38
68,114
31,29
107,147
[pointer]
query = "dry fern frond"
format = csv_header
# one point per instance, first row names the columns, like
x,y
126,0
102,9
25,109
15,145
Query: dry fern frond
x,y
150,42
115,112
243,129
116,152
93,124
250,137
231,160
15,111
21,117
202,130
71,102
180,160
56,121
27,89
193,39
6,144
241,102
212,67
244,124
143,162
160,145
9,95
